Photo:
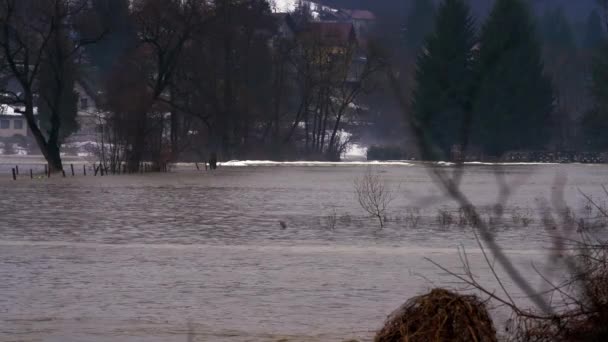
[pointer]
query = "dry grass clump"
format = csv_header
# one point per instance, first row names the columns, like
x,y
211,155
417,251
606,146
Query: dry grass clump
x,y
440,315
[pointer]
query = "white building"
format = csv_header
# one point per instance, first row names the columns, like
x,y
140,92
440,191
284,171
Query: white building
x,y
12,123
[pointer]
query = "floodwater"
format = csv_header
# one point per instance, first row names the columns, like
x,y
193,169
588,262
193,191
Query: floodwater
x,y
203,256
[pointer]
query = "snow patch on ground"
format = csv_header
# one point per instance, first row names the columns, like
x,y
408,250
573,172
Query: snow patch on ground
x,y
245,163
356,152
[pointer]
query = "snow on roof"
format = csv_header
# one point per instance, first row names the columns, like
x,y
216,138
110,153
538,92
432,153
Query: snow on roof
x,y
8,110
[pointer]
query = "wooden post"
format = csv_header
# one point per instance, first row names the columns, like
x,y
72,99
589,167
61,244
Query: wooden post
x,y
63,172
101,169
72,167
14,174
31,174
84,170
95,168
17,169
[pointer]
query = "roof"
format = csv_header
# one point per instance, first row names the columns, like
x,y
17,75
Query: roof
x,y
332,32
359,14
6,110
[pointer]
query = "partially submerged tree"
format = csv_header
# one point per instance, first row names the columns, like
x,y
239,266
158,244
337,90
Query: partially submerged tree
x,y
34,36
163,29
374,195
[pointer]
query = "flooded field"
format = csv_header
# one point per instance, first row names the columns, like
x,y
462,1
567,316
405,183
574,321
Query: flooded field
x,y
250,252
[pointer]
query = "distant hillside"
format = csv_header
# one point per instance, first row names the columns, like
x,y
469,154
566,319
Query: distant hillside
x,y
576,9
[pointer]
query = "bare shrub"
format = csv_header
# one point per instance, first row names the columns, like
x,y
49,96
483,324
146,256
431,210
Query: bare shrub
x,y
440,315
345,219
444,217
465,217
412,217
584,311
523,217
331,220
374,195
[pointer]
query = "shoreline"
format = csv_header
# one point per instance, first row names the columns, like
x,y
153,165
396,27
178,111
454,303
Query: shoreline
x,y
79,160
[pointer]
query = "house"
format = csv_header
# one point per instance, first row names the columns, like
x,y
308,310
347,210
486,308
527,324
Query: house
x,y
333,35
363,21
89,114
12,122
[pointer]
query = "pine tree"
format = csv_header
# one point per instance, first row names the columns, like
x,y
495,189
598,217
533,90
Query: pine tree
x,y
419,24
566,67
114,17
556,32
594,32
595,122
444,78
514,101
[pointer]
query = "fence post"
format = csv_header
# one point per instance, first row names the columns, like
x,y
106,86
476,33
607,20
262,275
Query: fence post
x,y
17,169
63,172
72,167
84,169
14,174
31,174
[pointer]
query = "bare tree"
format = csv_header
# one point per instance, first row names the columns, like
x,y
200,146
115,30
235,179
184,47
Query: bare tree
x,y
332,71
33,33
374,195
141,97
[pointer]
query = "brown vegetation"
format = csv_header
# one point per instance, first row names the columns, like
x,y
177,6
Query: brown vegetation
x,y
440,315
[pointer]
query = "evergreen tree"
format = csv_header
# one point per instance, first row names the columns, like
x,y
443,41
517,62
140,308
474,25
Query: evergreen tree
x,y
595,122
113,16
566,67
556,31
514,101
594,32
444,78
419,23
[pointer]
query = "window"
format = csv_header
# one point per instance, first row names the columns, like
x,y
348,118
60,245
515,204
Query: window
x,y
84,103
18,124
5,124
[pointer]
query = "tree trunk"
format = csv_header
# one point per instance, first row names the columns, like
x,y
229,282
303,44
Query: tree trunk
x,y
175,129
51,153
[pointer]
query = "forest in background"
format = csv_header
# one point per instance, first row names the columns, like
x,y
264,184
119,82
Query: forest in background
x,y
183,80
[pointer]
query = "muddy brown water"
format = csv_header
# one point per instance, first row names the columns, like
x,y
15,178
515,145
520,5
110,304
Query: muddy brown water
x,y
202,256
